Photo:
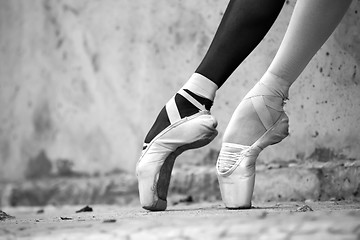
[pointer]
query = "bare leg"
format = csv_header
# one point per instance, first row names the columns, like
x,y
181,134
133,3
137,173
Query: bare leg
x,y
310,26
259,120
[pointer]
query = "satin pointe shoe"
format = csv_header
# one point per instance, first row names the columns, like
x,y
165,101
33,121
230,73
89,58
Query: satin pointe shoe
x,y
153,170
236,163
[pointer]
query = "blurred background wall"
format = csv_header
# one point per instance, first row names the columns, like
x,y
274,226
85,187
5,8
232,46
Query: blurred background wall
x,y
81,82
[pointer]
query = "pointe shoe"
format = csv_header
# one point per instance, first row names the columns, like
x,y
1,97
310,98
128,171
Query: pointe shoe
x,y
154,167
236,169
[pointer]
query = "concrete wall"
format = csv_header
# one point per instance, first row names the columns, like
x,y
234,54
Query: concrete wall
x,y
81,82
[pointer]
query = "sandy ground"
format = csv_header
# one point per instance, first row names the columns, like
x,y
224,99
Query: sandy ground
x,y
328,220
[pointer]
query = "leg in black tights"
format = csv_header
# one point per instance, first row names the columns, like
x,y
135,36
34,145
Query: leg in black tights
x,y
243,26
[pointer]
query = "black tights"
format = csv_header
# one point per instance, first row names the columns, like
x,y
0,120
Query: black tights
x,y
243,26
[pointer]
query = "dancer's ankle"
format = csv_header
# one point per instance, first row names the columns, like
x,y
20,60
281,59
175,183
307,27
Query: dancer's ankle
x,y
201,86
202,92
276,84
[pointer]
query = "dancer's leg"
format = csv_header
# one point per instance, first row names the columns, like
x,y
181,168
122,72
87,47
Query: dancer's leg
x,y
244,24
311,24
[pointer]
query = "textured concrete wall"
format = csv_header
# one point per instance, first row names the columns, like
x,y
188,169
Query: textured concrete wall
x,y
82,81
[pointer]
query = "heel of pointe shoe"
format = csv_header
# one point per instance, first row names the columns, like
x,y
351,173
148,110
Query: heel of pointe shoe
x,y
278,132
281,129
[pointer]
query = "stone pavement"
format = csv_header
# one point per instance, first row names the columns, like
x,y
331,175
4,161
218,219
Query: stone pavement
x,y
285,220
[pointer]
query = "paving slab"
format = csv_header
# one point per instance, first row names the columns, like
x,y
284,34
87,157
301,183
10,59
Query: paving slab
x,y
208,220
